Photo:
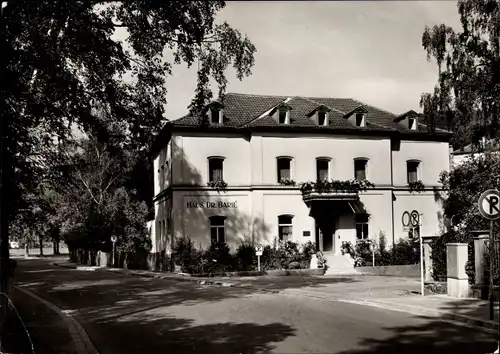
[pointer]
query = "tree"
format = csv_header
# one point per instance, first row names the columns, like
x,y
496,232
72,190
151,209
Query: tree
x,y
463,185
466,98
94,203
60,59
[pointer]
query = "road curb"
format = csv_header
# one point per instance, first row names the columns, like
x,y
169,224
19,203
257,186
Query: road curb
x,y
489,326
80,338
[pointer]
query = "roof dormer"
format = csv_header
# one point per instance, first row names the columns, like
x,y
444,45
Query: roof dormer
x,y
320,115
281,113
215,112
357,116
409,120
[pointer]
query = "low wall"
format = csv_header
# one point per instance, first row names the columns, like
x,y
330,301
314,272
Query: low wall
x,y
410,271
284,272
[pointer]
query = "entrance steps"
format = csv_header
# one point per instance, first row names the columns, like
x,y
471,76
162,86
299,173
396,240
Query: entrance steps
x,y
338,264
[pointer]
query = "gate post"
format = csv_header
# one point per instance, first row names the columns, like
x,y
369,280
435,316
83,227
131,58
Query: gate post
x,y
457,279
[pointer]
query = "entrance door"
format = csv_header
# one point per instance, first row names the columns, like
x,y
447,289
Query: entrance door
x,y
325,235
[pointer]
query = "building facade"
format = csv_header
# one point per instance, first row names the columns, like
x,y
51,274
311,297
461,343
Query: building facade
x,y
236,172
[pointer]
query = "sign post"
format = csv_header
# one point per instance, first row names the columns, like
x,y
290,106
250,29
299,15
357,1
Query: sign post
x,y
489,208
410,222
415,225
113,239
258,251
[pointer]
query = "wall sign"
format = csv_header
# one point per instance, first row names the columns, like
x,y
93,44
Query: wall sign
x,y
212,205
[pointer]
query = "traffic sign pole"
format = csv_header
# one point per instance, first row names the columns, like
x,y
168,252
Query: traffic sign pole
x,y
489,208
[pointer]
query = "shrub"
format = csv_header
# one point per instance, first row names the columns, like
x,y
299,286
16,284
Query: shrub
x,y
187,255
217,259
245,256
283,253
406,252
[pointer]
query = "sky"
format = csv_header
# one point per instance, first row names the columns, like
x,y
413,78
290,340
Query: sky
x,y
371,51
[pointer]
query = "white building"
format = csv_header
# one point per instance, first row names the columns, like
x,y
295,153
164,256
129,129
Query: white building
x,y
253,141
459,156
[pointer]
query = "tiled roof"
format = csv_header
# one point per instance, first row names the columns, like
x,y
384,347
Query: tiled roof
x,y
247,111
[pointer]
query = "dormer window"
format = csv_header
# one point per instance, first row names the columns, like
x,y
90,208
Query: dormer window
x,y
215,116
360,120
322,118
281,113
320,115
408,120
282,116
215,113
357,116
412,123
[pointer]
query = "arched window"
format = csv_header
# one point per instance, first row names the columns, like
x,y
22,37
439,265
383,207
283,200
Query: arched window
x,y
215,168
217,229
285,227
284,168
360,165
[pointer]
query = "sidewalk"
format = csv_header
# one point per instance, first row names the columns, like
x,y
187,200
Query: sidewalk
x,y
390,293
45,331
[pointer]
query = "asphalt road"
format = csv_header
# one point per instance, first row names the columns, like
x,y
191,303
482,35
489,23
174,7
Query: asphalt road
x,y
127,314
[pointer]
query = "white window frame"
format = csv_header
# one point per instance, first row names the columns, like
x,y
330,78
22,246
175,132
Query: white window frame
x,y
414,125
364,224
419,168
328,160
277,166
213,158
363,123
326,122
218,113
367,160
217,228
287,115
281,225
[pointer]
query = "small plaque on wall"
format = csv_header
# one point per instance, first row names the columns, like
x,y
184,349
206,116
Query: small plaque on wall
x,y
306,233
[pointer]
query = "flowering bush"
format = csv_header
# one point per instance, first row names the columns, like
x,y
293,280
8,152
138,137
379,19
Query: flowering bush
x,y
287,182
321,186
321,260
219,185
417,186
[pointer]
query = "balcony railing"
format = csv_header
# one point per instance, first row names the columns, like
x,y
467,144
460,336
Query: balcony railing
x,y
333,190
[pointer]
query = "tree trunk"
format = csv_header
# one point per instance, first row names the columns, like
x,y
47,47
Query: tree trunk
x,y
41,247
26,250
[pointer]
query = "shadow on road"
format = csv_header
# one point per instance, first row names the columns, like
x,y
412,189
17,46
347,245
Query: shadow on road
x,y
175,335
100,294
435,336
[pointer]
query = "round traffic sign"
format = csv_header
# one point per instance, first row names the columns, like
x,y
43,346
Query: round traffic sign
x,y
405,219
113,238
489,204
415,218
259,248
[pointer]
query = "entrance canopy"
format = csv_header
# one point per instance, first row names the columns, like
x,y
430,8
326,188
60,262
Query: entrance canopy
x,y
327,208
